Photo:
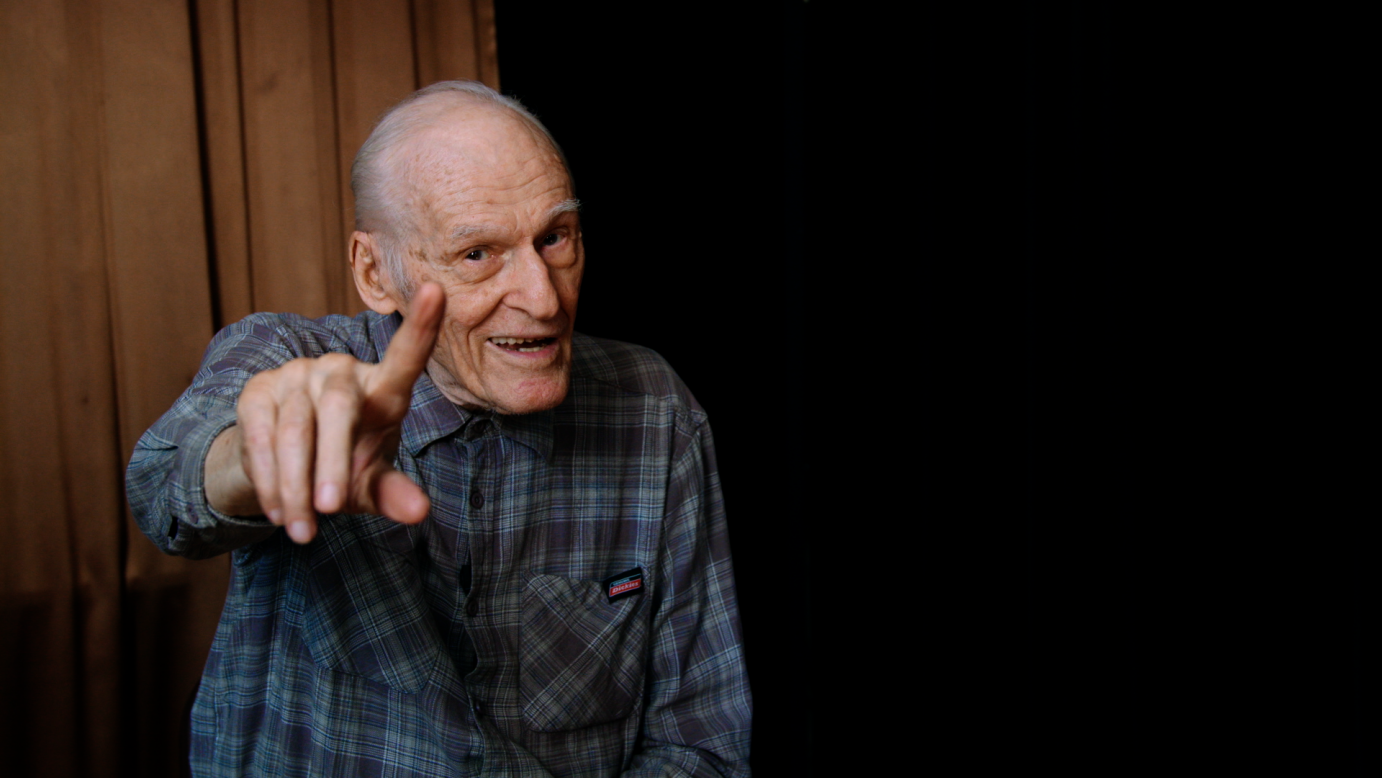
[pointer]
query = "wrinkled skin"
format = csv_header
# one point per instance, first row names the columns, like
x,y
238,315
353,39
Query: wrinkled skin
x,y
494,251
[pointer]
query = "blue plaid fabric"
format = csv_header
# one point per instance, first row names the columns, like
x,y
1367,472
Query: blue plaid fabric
x,y
481,642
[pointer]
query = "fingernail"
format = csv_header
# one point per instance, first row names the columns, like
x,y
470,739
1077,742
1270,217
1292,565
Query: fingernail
x,y
300,531
275,515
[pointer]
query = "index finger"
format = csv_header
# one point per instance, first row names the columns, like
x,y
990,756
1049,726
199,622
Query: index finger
x,y
411,347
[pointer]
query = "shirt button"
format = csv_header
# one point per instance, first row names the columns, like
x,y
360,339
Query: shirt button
x,y
476,499
472,607
478,707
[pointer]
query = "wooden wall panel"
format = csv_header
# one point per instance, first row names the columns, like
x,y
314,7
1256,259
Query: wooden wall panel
x,y
290,162
445,41
127,123
486,44
85,386
223,156
374,69
61,518
455,41
156,245
47,267
161,313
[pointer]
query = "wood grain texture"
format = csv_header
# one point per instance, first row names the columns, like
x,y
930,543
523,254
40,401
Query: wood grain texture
x,y
127,124
486,43
160,300
49,267
444,35
374,67
223,157
290,163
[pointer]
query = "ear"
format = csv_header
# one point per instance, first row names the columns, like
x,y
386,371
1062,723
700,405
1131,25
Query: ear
x,y
371,280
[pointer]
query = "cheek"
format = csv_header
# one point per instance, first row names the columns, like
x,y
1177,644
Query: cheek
x,y
465,311
569,288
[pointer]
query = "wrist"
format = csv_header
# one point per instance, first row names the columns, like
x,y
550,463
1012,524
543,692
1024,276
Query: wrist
x,y
228,487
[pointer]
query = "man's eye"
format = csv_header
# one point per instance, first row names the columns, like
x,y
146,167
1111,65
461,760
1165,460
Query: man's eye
x,y
552,239
477,255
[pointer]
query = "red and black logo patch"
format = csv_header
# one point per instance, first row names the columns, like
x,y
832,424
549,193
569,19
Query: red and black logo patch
x,y
625,584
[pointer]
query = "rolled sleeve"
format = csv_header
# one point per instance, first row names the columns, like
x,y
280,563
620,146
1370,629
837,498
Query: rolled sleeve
x,y
167,489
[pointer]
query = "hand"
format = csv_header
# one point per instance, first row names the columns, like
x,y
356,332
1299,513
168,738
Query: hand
x,y
321,434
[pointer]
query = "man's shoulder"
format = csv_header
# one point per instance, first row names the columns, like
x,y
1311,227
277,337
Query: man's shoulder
x,y
606,367
295,335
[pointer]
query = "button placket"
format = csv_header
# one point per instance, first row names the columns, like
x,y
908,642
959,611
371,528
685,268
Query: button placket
x,y
468,602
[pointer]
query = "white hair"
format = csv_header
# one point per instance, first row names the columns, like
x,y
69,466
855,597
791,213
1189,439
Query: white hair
x,y
378,207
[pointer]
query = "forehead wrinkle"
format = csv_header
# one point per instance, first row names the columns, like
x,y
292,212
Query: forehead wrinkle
x,y
463,231
436,174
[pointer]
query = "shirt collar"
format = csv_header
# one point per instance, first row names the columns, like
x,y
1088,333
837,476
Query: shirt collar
x,y
431,416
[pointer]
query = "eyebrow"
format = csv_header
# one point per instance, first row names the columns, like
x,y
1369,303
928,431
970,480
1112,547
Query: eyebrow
x,y
569,205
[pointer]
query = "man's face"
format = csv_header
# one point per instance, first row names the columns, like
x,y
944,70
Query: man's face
x,y
497,229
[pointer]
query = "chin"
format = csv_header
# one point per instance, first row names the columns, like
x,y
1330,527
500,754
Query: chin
x,y
533,395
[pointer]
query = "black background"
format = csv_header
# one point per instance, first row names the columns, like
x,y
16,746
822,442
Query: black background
x,y
684,132
888,253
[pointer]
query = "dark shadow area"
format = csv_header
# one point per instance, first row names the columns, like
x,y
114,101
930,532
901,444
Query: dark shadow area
x,y
685,132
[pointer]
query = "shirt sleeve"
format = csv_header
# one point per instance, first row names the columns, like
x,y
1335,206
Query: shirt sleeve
x,y
698,714
165,482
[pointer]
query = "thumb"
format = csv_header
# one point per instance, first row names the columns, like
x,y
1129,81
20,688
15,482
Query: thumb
x,y
397,497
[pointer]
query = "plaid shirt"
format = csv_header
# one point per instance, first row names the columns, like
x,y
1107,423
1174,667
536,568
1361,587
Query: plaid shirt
x,y
484,640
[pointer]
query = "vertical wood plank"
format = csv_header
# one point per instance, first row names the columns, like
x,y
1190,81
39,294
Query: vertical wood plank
x,y
445,41
290,164
331,264
160,295
106,306
374,68
48,186
486,43
64,417
223,146
87,390
156,238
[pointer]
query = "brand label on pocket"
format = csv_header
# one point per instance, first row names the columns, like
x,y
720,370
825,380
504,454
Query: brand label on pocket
x,y
625,584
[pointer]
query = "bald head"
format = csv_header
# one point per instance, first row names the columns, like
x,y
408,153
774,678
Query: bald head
x,y
419,144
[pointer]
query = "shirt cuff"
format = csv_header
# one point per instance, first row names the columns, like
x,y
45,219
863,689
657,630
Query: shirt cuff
x,y
195,528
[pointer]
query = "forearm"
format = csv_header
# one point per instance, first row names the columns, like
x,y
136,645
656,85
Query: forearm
x,y
228,488
167,488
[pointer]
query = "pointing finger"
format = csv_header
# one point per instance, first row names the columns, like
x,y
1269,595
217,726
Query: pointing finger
x,y
412,345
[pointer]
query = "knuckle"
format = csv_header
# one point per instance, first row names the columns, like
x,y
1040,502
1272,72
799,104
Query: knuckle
x,y
335,362
294,490
292,433
339,400
256,434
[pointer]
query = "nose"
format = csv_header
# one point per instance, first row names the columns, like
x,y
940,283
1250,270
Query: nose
x,y
532,290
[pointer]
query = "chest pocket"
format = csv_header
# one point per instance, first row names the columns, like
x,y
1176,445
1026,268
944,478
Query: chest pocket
x,y
581,657
365,613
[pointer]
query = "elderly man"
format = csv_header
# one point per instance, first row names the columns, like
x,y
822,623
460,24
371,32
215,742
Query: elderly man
x,y
466,539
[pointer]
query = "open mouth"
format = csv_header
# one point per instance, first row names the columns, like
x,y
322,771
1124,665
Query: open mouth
x,y
525,345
